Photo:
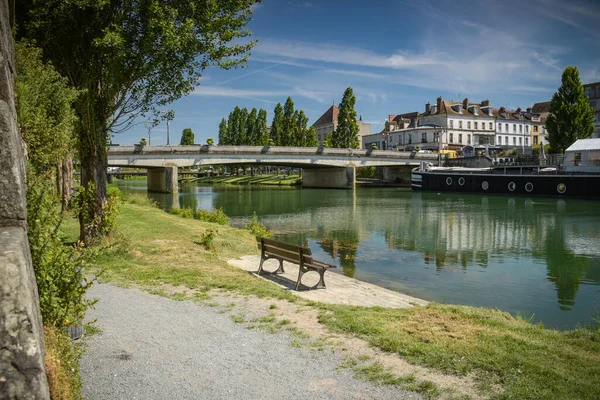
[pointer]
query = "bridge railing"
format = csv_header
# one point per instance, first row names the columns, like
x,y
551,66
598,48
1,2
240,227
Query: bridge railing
x,y
272,150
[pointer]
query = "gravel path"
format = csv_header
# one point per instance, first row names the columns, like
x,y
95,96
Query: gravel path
x,y
152,347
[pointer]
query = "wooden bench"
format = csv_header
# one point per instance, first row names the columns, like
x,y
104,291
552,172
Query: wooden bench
x,y
281,251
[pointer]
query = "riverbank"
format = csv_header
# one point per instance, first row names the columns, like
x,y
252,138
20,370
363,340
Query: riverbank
x,y
440,350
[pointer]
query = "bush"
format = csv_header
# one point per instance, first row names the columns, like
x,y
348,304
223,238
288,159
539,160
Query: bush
x,y
208,239
83,204
182,212
258,228
365,172
217,216
59,268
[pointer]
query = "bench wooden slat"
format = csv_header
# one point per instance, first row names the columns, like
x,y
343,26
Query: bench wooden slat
x,y
299,255
281,245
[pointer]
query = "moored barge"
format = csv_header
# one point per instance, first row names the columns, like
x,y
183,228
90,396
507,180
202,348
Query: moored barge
x,y
578,177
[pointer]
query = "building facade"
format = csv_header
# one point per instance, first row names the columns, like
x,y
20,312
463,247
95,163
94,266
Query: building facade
x,y
592,91
515,128
327,123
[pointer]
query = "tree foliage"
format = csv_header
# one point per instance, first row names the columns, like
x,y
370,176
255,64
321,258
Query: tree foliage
x,y
131,57
223,132
277,125
345,135
43,103
571,116
187,137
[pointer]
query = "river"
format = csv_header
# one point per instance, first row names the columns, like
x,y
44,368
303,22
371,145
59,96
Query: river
x,y
537,257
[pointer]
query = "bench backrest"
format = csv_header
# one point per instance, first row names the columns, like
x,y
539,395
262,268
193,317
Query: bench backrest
x,y
284,251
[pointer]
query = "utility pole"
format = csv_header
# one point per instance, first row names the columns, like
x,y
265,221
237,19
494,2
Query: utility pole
x,y
169,116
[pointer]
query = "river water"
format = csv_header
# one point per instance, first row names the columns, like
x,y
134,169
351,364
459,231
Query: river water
x,y
538,257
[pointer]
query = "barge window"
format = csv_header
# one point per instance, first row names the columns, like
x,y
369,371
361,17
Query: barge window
x,y
577,160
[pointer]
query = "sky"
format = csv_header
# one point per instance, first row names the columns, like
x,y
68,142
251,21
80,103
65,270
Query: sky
x,y
396,55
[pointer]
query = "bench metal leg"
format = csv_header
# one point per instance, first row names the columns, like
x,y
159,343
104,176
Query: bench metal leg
x,y
321,284
260,266
280,269
300,273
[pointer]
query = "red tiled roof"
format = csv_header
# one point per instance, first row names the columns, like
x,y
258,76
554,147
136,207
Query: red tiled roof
x,y
329,116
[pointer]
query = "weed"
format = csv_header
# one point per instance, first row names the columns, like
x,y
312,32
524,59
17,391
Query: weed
x,y
258,228
208,239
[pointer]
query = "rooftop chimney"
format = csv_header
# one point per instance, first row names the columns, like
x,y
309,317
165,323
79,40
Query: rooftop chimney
x,y
439,104
427,108
502,109
466,103
391,117
485,103
519,110
528,110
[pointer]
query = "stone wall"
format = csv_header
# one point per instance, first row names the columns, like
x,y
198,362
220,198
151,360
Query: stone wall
x,y
22,374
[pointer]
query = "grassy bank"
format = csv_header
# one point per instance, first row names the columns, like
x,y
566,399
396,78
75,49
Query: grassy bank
x,y
509,357
278,180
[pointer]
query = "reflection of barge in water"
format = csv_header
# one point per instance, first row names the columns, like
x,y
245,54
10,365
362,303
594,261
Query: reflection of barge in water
x,y
580,176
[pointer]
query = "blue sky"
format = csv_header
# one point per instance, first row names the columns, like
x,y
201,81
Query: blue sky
x,y
396,55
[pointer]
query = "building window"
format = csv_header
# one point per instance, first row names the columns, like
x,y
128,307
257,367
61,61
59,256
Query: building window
x,y
598,91
526,141
520,141
505,140
499,127
468,124
469,139
535,128
452,137
460,138
451,123
535,140
514,141
475,123
506,128
459,124
423,137
520,128
514,128
526,128
491,126
588,91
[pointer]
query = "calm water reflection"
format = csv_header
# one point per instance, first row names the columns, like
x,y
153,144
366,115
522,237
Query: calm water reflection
x,y
537,257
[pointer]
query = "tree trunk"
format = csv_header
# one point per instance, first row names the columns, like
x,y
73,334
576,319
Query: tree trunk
x,y
93,170
65,180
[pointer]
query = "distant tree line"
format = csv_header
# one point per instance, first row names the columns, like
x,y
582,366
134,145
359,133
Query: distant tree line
x,y
288,127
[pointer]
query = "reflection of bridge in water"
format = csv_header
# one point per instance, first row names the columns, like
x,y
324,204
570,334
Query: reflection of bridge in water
x,y
322,167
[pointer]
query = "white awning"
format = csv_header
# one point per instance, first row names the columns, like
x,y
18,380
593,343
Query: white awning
x,y
585,145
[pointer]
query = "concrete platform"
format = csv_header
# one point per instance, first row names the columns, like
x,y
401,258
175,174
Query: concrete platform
x,y
340,289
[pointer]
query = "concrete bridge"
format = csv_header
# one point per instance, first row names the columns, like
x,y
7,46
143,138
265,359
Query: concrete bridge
x,y
322,167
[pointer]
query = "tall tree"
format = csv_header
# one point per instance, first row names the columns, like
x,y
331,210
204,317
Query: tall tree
x,y
187,137
277,125
243,128
223,132
345,135
260,129
130,57
233,126
311,138
571,116
299,132
289,123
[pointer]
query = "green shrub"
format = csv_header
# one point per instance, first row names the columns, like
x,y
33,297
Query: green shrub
x,y
217,216
208,239
185,212
258,228
83,204
365,172
59,268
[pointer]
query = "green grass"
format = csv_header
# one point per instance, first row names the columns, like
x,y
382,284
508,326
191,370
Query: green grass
x,y
510,357
531,362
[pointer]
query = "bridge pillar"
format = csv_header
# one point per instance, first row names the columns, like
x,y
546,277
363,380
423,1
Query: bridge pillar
x,y
162,179
398,174
334,178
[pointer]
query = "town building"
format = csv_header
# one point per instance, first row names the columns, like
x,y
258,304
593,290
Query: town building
x,y
592,91
327,123
515,128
